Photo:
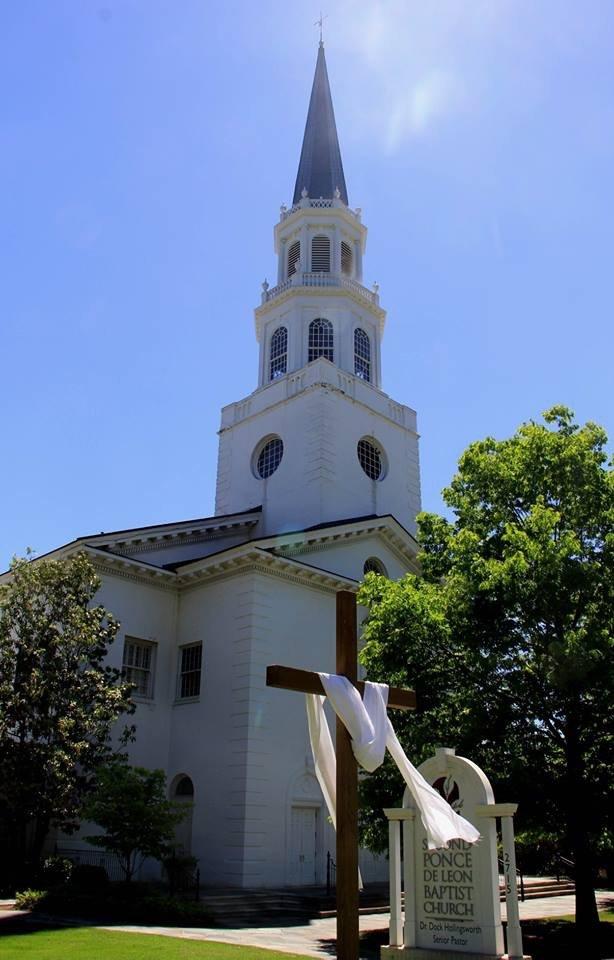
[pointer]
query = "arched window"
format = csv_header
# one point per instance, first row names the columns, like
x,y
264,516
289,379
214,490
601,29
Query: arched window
x,y
182,793
320,254
347,259
278,363
373,565
371,458
294,255
320,340
184,787
362,355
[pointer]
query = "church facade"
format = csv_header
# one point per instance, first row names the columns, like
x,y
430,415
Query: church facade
x,y
317,483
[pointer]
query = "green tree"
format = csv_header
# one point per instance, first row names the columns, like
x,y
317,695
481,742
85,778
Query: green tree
x,y
508,637
58,701
130,804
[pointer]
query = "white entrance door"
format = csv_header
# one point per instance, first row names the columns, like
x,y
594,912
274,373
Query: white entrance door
x,y
303,838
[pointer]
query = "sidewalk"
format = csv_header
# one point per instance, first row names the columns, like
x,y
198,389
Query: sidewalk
x,y
317,939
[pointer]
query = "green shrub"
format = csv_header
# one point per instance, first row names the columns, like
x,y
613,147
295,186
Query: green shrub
x,y
55,871
30,899
180,871
89,877
113,904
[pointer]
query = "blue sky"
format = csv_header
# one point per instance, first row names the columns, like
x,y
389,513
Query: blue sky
x,y
145,148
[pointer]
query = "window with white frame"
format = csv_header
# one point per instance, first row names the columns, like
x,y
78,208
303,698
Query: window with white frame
x,y
267,457
320,340
320,254
278,363
371,458
294,255
362,354
190,665
139,664
347,259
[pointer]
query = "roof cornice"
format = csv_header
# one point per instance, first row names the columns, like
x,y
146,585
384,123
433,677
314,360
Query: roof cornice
x,y
245,558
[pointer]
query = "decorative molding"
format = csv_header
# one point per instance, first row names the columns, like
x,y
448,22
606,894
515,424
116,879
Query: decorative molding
x,y
291,392
192,533
126,573
394,542
178,541
257,561
291,291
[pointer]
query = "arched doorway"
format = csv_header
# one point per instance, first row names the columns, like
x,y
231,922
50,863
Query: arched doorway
x,y
182,792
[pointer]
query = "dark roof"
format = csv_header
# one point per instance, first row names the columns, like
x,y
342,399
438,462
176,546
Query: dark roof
x,y
320,170
200,521
154,526
289,534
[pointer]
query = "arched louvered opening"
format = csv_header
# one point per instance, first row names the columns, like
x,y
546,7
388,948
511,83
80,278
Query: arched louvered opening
x,y
320,254
294,255
278,362
347,259
374,565
320,340
362,355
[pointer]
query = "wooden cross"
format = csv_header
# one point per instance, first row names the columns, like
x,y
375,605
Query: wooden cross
x,y
304,681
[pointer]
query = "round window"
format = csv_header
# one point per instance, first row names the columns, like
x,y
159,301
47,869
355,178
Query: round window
x,y
269,457
371,459
373,565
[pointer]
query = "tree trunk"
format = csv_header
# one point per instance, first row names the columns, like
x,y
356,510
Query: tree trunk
x,y
39,835
578,822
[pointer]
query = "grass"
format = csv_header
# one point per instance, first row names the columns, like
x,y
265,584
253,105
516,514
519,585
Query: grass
x,y
552,939
79,943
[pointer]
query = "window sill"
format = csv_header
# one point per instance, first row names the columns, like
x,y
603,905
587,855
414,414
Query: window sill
x,y
180,700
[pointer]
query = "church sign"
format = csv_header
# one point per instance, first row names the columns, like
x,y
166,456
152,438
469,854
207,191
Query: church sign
x,y
452,894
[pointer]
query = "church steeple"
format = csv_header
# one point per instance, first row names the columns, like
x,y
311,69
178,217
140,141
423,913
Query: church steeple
x,y
320,170
319,439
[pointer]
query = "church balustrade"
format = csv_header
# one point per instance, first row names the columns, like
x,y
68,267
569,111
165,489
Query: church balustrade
x,y
317,203
320,280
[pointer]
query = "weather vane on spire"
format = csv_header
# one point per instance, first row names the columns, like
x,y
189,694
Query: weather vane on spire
x,y
320,23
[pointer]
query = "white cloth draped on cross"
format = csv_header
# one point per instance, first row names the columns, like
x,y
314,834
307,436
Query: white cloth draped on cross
x,y
371,731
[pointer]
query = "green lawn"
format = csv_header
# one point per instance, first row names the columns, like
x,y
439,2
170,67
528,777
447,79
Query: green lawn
x,y
545,939
83,943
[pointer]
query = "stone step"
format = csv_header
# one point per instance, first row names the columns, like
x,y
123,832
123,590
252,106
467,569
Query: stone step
x,y
254,906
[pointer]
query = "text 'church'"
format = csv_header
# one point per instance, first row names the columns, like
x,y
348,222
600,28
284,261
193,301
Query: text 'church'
x,y
317,483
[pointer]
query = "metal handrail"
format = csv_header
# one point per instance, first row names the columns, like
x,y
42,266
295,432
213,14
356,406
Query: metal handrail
x,y
519,877
559,859
331,873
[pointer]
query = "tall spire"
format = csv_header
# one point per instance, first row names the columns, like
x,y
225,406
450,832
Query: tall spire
x,y
320,170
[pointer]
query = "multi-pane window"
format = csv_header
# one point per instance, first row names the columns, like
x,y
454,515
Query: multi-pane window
x,y
320,254
370,459
294,255
320,340
138,665
362,355
269,457
373,565
189,671
278,363
346,259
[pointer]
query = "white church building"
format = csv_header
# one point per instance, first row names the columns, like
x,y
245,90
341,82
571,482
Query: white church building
x,y
317,483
